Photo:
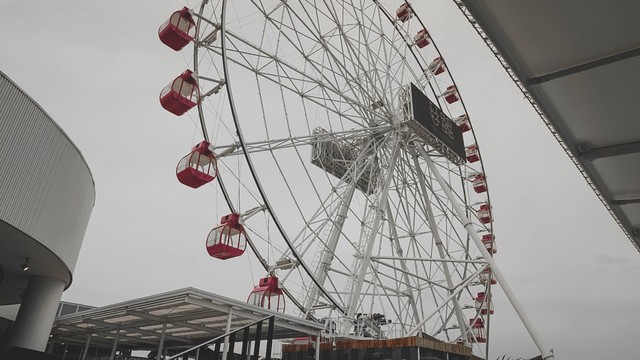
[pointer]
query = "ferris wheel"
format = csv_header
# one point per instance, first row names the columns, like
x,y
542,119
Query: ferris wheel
x,y
348,165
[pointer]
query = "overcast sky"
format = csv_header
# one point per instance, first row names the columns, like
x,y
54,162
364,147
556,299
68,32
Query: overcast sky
x,y
97,68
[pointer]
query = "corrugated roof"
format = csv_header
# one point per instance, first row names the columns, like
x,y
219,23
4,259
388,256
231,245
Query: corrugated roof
x,y
192,316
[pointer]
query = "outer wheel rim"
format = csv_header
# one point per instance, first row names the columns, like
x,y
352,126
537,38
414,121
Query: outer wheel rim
x,y
244,144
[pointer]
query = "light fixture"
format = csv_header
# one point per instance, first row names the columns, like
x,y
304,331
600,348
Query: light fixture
x,y
25,265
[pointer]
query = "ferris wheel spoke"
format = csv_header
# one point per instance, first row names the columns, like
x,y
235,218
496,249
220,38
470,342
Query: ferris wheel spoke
x,y
369,228
354,54
227,150
397,249
330,101
335,222
295,77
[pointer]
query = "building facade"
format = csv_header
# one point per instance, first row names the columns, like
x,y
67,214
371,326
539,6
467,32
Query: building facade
x,y
47,194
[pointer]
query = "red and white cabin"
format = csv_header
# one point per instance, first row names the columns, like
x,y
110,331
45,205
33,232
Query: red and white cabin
x,y
477,330
179,30
422,38
267,294
198,167
181,94
404,12
227,240
472,153
479,182
486,277
483,304
437,66
489,241
451,94
484,213
463,123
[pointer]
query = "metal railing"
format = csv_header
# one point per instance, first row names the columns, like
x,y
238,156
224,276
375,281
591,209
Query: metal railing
x,y
229,341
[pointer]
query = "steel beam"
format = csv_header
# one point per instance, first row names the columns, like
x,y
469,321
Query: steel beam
x,y
625,202
583,67
546,352
588,153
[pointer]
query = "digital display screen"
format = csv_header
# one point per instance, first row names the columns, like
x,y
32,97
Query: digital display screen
x,y
429,115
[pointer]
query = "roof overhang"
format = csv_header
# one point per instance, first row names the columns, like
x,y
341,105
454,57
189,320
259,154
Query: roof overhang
x,y
577,62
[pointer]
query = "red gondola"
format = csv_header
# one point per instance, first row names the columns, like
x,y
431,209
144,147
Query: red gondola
x,y
483,304
451,94
198,167
267,294
179,30
477,330
181,94
404,12
422,38
484,213
489,242
463,123
472,153
227,240
437,66
479,183
486,277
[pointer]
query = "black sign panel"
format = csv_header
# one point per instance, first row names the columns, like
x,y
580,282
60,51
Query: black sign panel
x,y
429,115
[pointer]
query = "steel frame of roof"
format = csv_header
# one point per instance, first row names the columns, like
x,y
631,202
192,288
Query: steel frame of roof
x,y
179,319
623,205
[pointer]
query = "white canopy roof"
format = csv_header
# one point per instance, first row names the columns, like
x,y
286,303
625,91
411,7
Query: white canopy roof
x,y
577,62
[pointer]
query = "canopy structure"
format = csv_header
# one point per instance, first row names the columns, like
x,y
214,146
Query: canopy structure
x,y
176,319
577,62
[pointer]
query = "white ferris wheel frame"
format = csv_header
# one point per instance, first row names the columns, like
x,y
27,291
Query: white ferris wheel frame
x,y
380,209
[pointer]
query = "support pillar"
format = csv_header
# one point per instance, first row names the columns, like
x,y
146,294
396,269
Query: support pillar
x,y
85,350
36,315
546,352
227,331
161,344
115,345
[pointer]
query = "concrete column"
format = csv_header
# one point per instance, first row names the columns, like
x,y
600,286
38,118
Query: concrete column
x,y
36,315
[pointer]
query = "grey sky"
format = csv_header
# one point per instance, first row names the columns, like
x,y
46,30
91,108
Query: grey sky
x,y
97,68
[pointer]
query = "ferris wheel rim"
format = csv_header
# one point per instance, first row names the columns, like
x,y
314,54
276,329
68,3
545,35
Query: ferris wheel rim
x,y
243,144
250,162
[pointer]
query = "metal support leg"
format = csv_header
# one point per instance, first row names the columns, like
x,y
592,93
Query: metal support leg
x,y
161,344
256,346
228,330
85,349
245,344
269,338
232,344
546,352
115,345
216,350
441,250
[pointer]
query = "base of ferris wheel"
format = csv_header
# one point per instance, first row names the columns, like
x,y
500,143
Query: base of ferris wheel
x,y
416,347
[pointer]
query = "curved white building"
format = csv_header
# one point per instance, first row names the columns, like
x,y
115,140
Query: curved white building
x,y
46,197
